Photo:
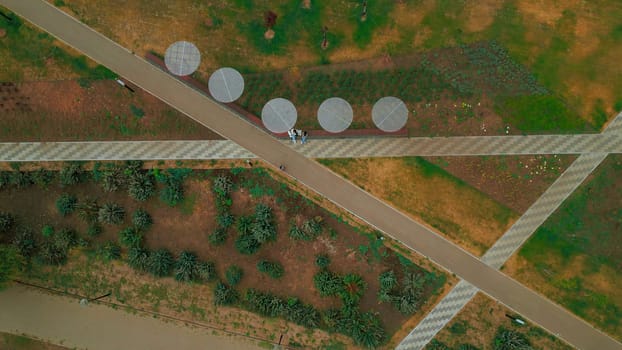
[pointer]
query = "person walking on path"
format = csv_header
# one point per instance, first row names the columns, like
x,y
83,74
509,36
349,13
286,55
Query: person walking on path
x,y
292,134
303,137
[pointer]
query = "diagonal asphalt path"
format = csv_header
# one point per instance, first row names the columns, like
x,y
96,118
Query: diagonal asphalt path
x,y
413,234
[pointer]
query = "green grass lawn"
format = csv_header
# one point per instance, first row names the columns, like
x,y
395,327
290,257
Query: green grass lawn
x,y
578,250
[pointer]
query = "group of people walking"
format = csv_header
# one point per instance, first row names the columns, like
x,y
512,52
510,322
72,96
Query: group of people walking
x,y
295,133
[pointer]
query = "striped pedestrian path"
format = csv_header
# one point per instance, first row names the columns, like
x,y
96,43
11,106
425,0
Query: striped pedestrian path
x,y
321,148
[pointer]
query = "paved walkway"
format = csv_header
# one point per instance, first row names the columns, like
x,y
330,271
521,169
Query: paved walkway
x,y
316,148
63,321
375,212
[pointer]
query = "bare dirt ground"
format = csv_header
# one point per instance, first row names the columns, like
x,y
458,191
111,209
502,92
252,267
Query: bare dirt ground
x,y
102,110
514,181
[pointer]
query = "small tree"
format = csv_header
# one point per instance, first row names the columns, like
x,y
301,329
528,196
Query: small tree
x,y
88,210
110,251
353,288
112,179
223,185
506,339
130,237
42,177
94,230
247,244
140,185
225,220
225,295
186,267
65,239
160,263
52,254
206,271
272,269
71,174
66,204
138,258
218,237
141,219
111,213
20,179
6,222
234,275
25,243
327,283
322,261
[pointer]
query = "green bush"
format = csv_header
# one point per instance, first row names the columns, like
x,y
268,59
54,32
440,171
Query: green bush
x,y
265,304
66,239
247,244
71,174
94,230
322,261
20,179
110,251
263,227
47,231
223,185
160,263
506,339
225,220
297,233
51,253
312,227
141,219
173,193
138,258
112,178
66,204
42,177
6,222
218,237
206,271
245,224
9,264
186,267
25,243
353,288
302,314
387,280
130,237
88,210
327,283
225,295
137,111
272,269
234,274
111,213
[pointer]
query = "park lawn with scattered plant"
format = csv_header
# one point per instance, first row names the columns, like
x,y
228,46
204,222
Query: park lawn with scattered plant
x,y
483,324
428,193
28,54
20,342
574,258
245,238
572,47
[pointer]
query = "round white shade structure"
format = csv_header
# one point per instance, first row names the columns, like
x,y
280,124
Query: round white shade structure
x,y
389,114
279,115
335,114
182,58
226,85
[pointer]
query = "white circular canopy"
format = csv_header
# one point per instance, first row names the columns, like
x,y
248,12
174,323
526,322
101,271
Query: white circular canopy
x,y
389,114
335,114
279,115
182,58
226,85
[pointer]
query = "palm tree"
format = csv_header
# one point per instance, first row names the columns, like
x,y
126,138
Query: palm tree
x,y
206,271
6,222
186,267
138,258
141,219
160,263
111,213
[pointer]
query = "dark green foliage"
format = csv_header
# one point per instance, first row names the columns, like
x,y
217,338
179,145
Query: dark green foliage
x,y
387,280
111,213
130,237
272,269
141,219
138,258
6,222
406,297
437,345
506,339
467,347
112,178
206,271
302,314
458,327
234,275
353,288
225,295
94,230
322,261
173,193
225,220
25,243
66,204
88,210
263,228
365,328
137,111
223,185
20,179
4,179
297,233
186,267
65,239
327,283
9,264
42,177
110,251
313,227
244,224
160,263
218,237
265,304
71,174
47,231
247,244
141,185
52,254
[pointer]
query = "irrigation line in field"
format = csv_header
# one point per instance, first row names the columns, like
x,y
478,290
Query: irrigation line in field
x,y
164,316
